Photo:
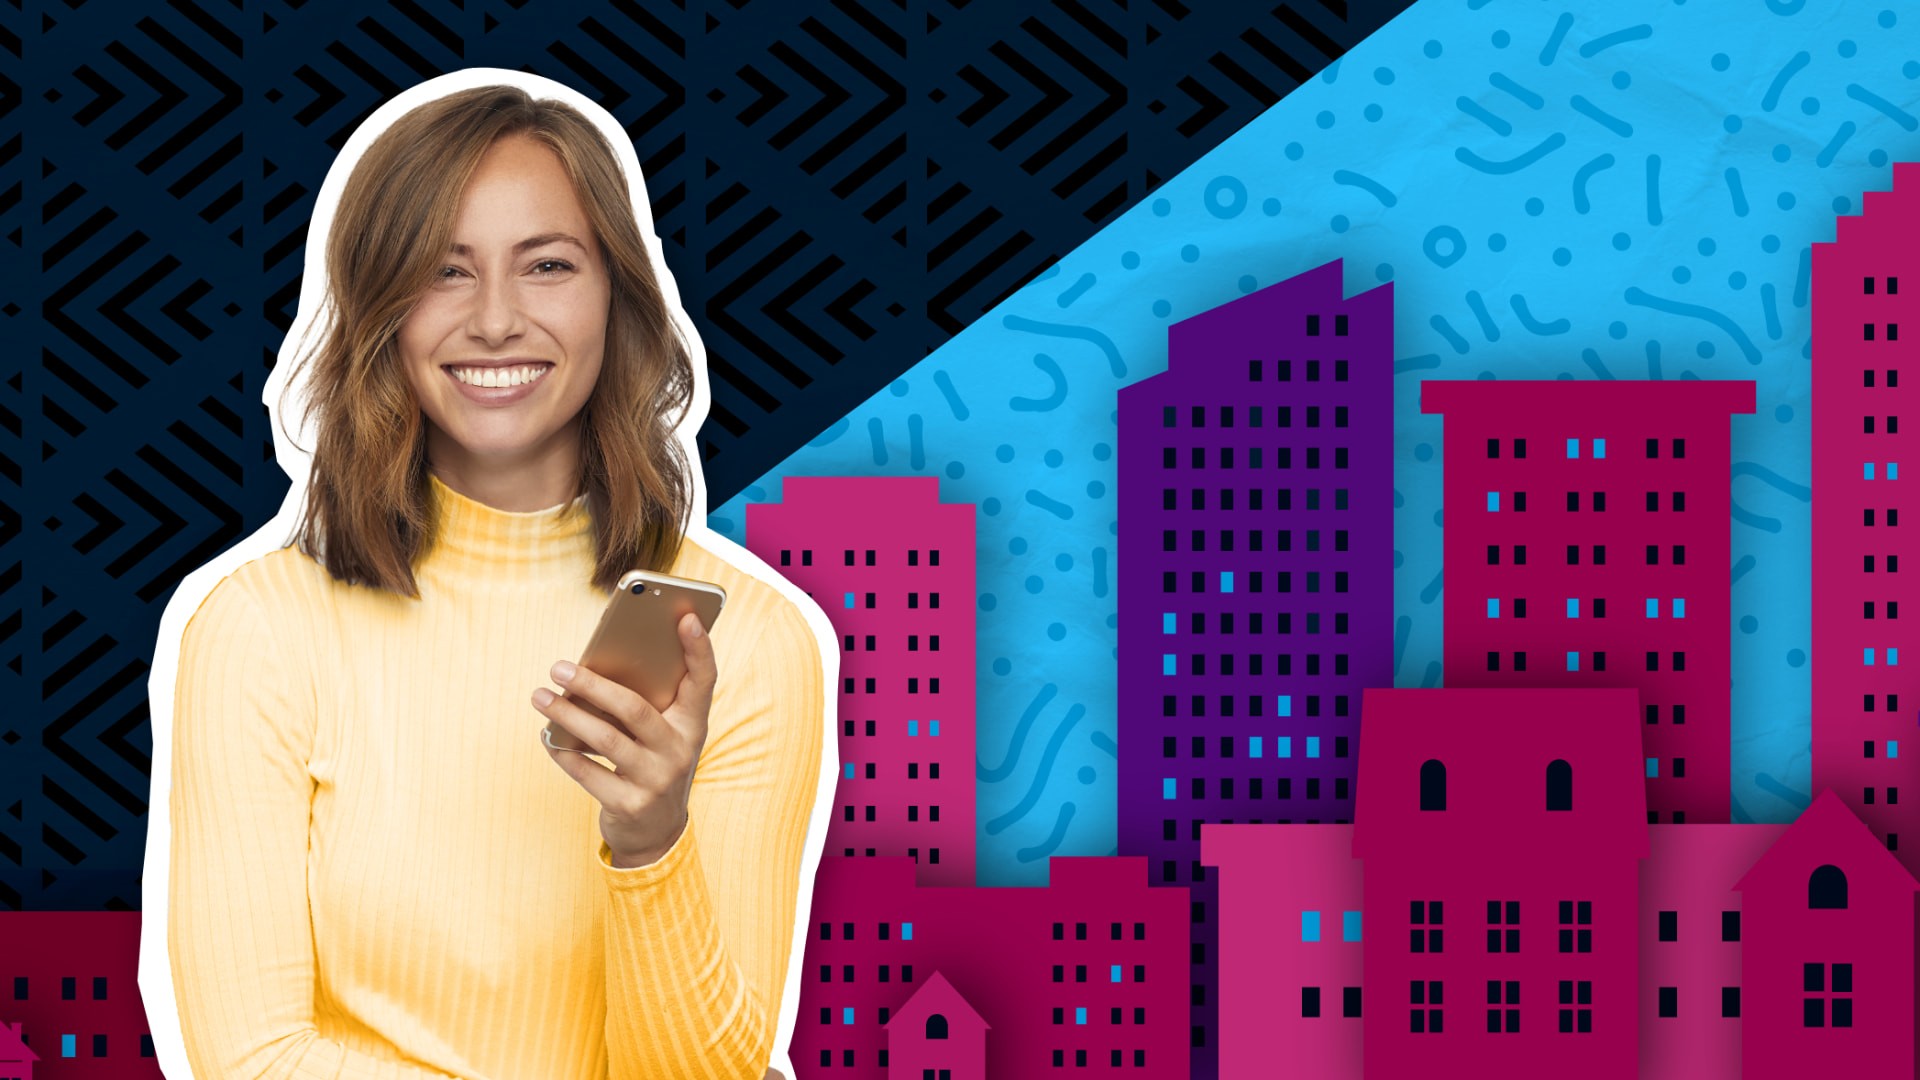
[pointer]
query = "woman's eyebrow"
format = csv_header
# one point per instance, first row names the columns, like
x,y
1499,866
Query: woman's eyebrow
x,y
528,244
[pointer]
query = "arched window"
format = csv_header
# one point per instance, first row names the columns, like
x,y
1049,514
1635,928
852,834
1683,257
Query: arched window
x,y
1827,888
1559,785
936,1026
1433,786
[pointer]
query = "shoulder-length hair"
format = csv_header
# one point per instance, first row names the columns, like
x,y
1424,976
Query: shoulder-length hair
x,y
369,511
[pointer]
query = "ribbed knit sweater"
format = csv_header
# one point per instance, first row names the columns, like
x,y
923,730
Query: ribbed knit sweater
x,y
377,871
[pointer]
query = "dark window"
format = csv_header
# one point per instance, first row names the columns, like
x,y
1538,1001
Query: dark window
x,y
1730,1002
1339,326
1729,926
1559,785
1350,1002
1313,326
1519,448
67,988
1433,779
1669,1001
1669,926
1827,886
1309,1001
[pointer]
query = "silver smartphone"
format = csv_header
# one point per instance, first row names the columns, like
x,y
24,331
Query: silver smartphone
x,y
637,643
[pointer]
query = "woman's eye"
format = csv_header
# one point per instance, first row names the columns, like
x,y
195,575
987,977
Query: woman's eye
x,y
560,265
444,271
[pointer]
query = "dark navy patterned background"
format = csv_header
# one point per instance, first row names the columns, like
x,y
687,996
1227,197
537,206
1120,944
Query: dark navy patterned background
x,y
841,187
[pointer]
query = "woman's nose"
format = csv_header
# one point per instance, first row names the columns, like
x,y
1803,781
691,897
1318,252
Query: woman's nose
x,y
496,314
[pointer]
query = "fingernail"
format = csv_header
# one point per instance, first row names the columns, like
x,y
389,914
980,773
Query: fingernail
x,y
543,697
562,672
697,628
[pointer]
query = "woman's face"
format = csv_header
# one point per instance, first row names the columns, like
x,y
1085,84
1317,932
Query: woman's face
x,y
504,347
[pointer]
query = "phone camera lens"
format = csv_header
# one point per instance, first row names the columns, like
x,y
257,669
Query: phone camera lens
x,y
640,588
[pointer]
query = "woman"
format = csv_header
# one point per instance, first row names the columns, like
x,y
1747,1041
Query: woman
x,y
379,868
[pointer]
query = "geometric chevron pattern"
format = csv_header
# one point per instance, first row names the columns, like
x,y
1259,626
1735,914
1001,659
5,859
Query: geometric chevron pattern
x,y
840,188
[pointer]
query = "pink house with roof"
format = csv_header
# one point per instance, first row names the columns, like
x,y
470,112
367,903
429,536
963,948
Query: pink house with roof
x,y
16,1059
1587,545
1692,931
1502,834
1829,940
1858,360
1290,961
1088,973
893,568
936,1035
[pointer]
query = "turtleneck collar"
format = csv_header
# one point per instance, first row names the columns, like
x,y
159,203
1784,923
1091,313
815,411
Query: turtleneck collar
x,y
474,539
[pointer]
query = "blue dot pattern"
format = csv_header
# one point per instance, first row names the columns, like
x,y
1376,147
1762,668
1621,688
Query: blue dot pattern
x,y
1558,191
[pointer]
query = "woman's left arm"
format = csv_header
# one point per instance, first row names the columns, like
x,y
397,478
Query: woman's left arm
x,y
698,941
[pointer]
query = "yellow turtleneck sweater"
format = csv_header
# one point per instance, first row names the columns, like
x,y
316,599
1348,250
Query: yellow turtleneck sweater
x,y
377,871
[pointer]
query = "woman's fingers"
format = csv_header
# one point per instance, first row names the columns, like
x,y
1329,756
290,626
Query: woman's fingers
x,y
603,738
695,693
617,701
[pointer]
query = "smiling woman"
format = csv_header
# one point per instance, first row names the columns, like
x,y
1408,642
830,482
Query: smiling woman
x,y
376,866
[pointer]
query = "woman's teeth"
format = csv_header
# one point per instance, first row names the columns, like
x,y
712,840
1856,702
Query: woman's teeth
x,y
513,376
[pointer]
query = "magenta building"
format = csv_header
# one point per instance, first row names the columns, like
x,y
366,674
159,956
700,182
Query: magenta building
x,y
1692,931
1859,722
893,568
1588,544
1081,975
1829,937
1255,589
1502,841
69,988
1290,956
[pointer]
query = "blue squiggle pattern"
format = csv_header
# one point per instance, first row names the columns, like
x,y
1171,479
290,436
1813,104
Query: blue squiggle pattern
x,y
1742,193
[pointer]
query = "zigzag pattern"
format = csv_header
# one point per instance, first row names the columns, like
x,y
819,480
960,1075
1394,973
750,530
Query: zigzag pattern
x,y
840,187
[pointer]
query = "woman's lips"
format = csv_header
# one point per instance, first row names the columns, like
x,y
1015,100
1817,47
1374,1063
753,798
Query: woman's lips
x,y
497,395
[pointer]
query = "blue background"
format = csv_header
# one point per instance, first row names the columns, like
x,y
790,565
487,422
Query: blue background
x,y
1559,191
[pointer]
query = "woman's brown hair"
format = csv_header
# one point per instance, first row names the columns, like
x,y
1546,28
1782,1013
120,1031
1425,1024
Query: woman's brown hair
x,y
368,515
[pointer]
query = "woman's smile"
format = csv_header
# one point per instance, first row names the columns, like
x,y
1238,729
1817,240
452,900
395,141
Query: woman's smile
x,y
498,384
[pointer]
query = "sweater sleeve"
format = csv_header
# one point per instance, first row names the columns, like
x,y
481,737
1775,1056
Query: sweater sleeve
x,y
240,935
698,941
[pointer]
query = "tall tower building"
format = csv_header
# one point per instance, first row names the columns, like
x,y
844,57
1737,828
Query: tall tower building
x,y
1587,545
1859,722
893,568
1256,503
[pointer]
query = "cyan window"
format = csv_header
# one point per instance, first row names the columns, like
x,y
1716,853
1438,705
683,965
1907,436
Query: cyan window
x,y
849,599
1573,448
1309,926
1573,607
1226,581
1167,622
1167,788
906,931
1253,745
1286,745
849,770
1679,608
933,727
1168,663
913,727
1653,768
1599,448
1573,661
1080,1015
1493,608
1114,976
1313,746
846,1015
1493,502
66,1046
1653,608
1868,466
1349,926
1283,705
1867,657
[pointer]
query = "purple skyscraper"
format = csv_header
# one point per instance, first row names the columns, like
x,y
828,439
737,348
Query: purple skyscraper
x,y
1256,578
